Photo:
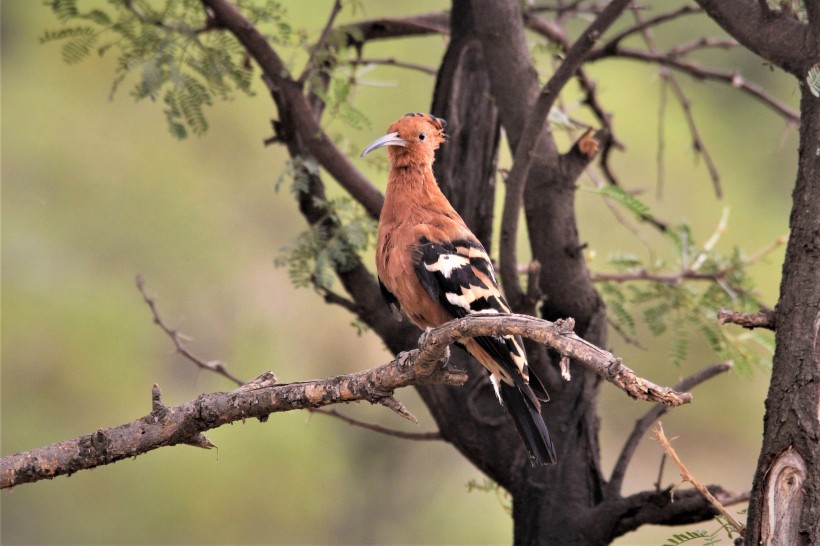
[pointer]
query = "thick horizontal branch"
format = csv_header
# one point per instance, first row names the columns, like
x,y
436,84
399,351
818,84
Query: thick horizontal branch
x,y
185,424
559,337
761,319
659,508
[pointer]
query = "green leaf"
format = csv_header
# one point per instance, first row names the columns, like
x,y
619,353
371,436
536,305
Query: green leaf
x,y
680,538
629,202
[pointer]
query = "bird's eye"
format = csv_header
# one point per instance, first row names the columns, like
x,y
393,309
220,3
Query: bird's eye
x,y
421,136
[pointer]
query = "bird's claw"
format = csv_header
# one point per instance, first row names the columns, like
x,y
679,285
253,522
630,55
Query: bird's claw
x,y
444,361
404,359
423,337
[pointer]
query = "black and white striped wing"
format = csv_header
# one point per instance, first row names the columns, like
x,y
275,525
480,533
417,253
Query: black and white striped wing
x,y
460,276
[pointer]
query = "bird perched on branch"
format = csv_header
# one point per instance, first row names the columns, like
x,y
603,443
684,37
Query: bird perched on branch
x,y
431,265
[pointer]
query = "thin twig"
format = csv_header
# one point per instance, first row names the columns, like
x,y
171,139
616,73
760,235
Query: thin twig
x,y
523,157
697,141
215,366
421,436
731,77
391,61
642,25
703,43
661,150
660,473
645,422
320,43
667,76
688,477
670,278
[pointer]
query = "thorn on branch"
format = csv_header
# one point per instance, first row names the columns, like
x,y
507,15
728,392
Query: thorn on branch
x,y
398,407
262,381
156,400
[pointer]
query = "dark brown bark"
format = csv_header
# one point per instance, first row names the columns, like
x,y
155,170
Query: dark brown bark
x,y
792,422
785,499
466,167
550,507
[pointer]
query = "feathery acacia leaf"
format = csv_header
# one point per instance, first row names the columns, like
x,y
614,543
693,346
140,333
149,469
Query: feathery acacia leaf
x,y
168,50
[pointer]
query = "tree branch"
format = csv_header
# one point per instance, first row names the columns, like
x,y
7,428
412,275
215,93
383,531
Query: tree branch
x,y
643,424
659,508
391,61
559,337
700,72
216,366
641,26
761,319
289,92
670,278
421,436
687,476
668,78
523,157
185,424
781,40
357,34
320,43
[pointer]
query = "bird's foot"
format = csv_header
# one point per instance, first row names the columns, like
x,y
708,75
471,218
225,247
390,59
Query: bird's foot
x,y
444,361
423,337
404,359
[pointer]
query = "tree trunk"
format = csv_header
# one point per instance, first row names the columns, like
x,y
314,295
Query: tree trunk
x,y
785,504
549,504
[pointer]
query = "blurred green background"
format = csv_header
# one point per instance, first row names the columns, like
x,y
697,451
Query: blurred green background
x,y
95,191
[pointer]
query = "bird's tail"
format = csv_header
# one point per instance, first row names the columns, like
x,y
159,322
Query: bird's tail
x,y
530,424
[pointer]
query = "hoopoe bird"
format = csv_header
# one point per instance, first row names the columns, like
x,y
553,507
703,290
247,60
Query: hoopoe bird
x,y
431,265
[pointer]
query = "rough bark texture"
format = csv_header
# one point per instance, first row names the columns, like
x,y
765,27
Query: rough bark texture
x,y
549,506
792,423
792,420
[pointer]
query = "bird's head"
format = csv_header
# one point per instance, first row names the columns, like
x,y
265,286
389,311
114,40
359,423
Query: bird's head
x,y
414,138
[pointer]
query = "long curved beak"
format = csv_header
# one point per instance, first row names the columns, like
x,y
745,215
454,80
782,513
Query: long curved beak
x,y
390,139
